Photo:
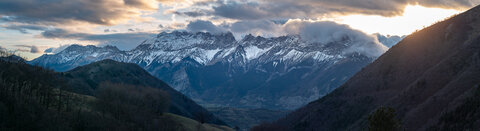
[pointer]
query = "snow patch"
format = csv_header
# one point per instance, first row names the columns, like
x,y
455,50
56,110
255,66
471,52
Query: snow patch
x,y
293,55
320,56
227,52
209,54
253,52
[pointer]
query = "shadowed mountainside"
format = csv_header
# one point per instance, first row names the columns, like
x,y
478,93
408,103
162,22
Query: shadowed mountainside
x,y
429,73
33,98
86,79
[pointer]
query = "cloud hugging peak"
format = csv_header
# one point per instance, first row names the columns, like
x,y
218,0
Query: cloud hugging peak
x,y
315,32
325,32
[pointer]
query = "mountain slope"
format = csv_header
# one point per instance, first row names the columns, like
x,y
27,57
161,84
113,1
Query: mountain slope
x,y
33,98
255,72
86,79
428,73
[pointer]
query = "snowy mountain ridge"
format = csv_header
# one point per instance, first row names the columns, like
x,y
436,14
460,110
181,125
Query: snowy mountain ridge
x,y
205,48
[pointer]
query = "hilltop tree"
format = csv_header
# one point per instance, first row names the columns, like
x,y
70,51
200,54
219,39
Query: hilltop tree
x,y
383,119
139,106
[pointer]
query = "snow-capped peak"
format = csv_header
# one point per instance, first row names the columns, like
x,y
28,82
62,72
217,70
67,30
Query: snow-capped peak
x,y
178,40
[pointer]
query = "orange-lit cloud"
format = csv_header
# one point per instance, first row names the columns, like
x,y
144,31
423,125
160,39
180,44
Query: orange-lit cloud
x,y
414,18
61,12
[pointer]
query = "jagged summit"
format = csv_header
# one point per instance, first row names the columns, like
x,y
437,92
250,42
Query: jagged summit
x,y
76,47
180,40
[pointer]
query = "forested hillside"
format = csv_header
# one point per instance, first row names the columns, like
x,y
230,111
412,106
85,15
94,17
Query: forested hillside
x,y
33,98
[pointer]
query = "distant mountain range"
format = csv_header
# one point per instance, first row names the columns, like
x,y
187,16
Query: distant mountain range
x,y
255,72
431,79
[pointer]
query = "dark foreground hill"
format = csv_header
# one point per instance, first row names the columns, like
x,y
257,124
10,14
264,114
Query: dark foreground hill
x,y
86,79
429,79
33,98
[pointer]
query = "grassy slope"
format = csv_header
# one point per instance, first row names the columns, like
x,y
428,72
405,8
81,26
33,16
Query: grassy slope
x,y
192,125
246,118
187,124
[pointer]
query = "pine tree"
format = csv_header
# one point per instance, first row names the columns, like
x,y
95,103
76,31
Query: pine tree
x,y
383,119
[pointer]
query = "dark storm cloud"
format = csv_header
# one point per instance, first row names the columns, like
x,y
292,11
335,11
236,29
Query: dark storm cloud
x,y
124,41
451,4
32,48
302,9
109,30
24,28
244,11
319,7
196,13
204,26
245,26
103,12
267,9
61,33
373,7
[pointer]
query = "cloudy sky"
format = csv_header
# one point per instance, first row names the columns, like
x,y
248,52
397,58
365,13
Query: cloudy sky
x,y
34,27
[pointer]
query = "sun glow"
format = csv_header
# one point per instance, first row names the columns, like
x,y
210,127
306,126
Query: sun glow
x,y
415,17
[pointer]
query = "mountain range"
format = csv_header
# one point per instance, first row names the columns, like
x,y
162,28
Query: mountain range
x,y
255,72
